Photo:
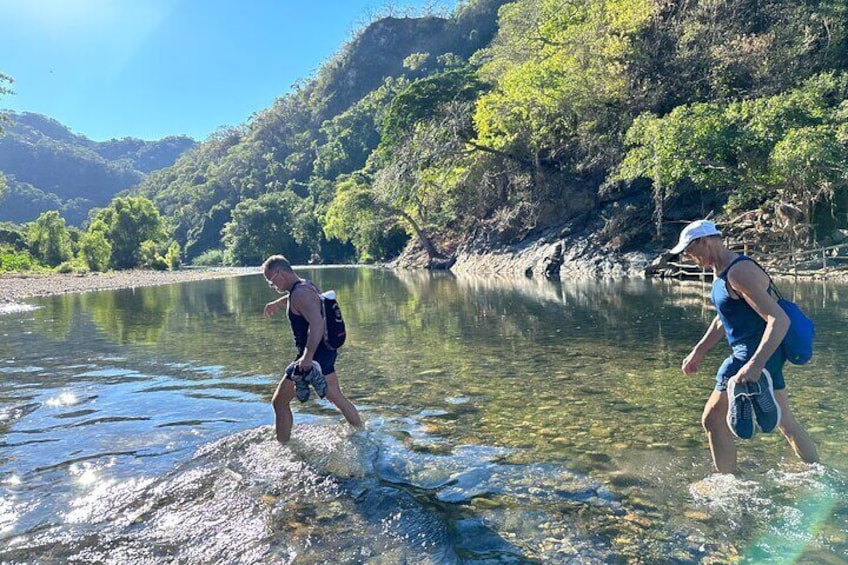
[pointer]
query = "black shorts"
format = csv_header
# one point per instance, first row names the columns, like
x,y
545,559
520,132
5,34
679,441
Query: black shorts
x,y
325,357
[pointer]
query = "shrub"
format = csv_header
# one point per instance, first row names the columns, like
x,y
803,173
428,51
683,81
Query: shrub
x,y
150,257
210,258
172,256
12,260
95,250
77,265
49,238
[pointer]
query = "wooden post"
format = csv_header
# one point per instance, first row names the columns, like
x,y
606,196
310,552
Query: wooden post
x,y
794,259
824,261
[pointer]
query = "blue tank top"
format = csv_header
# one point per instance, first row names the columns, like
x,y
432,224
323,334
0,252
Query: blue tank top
x,y
742,325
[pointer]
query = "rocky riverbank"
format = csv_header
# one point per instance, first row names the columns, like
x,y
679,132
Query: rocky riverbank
x,y
561,252
567,255
552,258
17,287
570,260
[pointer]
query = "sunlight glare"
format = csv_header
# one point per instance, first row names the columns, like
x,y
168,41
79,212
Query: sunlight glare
x,y
64,399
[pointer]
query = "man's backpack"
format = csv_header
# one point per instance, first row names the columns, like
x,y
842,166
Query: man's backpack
x,y
334,324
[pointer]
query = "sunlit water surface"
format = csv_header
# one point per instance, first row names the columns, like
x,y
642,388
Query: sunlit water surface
x,y
507,421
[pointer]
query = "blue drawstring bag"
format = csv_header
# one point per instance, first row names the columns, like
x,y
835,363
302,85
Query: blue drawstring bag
x,y
798,342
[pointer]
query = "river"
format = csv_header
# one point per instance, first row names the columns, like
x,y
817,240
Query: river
x,y
507,421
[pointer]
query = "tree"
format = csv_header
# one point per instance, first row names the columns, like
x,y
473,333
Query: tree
x,y
784,147
695,143
423,99
95,249
264,226
559,70
349,137
129,222
734,49
49,239
150,258
355,216
415,186
4,90
172,256
811,163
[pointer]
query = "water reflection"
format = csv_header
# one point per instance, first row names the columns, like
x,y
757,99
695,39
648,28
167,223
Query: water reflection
x,y
54,318
509,420
128,316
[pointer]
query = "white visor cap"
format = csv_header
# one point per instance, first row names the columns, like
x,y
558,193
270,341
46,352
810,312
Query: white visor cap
x,y
693,231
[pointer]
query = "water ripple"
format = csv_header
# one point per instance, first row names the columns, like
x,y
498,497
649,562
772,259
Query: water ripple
x,y
327,496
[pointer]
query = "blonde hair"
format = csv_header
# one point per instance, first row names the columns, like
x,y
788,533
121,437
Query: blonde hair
x,y
276,263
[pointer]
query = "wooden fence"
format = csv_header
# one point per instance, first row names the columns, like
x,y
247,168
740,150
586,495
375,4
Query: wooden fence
x,y
819,262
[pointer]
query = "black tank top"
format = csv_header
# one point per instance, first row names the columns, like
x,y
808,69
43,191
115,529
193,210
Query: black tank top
x,y
299,324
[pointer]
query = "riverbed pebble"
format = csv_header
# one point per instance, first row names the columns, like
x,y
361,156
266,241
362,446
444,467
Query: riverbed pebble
x,y
17,287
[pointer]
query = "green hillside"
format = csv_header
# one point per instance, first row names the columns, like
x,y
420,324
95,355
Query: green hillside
x,y
47,167
617,119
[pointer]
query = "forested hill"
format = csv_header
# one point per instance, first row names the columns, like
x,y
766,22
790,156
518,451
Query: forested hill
x,y
614,119
47,167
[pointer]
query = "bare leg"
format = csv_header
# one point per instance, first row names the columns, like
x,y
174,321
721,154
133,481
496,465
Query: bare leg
x,y
282,411
722,444
334,395
794,432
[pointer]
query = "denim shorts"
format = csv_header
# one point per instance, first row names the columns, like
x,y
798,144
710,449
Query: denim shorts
x,y
325,357
740,356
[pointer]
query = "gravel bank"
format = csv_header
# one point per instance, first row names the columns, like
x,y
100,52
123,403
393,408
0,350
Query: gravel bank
x,y
16,287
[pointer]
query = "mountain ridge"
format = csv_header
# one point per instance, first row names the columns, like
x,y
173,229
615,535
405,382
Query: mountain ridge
x,y
48,167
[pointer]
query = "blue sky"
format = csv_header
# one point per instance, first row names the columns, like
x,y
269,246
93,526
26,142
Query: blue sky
x,y
151,68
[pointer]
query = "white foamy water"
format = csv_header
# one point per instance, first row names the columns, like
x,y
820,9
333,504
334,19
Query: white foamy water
x,y
331,495
730,495
784,508
14,307
63,399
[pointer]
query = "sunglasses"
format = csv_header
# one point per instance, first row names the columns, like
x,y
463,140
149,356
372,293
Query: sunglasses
x,y
270,280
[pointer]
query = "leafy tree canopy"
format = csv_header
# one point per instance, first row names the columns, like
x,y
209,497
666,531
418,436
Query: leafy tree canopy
x,y
128,223
510,117
49,239
790,146
265,226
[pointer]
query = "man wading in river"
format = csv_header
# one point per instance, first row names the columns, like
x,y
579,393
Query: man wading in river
x,y
303,303
754,325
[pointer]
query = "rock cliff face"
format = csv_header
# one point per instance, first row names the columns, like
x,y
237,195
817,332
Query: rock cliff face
x,y
380,50
553,255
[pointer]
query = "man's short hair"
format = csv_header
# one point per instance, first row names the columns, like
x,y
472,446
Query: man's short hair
x,y
276,262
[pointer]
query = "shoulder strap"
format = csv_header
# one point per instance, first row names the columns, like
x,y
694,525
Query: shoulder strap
x,y
314,288
311,285
725,274
307,282
294,286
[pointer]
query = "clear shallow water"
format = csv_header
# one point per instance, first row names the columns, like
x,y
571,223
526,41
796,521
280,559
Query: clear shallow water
x,y
508,421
